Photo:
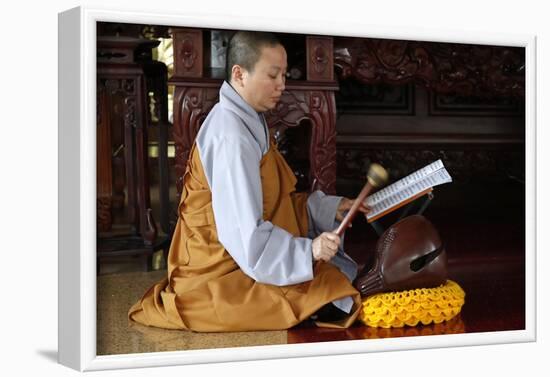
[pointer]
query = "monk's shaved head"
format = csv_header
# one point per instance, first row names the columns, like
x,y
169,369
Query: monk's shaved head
x,y
245,49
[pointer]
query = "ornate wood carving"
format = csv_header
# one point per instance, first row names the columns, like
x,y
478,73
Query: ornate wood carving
x,y
319,59
358,98
130,86
463,164
104,166
104,217
191,106
319,108
124,65
129,152
141,165
110,182
440,104
447,68
188,53
193,101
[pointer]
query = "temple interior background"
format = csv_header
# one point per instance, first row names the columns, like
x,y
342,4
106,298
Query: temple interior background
x,y
348,102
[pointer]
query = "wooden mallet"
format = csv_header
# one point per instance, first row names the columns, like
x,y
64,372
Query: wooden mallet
x,y
376,177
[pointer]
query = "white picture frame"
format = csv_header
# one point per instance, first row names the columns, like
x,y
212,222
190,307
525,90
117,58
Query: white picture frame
x,y
77,191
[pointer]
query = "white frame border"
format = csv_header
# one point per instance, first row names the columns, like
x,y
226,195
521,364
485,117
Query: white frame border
x,y
77,190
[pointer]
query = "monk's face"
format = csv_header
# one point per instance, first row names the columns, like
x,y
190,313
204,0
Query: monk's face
x,y
262,88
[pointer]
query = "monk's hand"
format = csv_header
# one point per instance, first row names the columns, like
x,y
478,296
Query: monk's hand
x,y
345,205
325,246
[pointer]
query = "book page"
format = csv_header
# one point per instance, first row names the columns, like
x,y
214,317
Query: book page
x,y
404,182
413,184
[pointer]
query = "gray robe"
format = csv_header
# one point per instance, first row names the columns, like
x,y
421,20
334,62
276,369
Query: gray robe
x,y
231,143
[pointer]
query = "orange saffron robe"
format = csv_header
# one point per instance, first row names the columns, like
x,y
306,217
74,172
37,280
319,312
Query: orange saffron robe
x,y
206,291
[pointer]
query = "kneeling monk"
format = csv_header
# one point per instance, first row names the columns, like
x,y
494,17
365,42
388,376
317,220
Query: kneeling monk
x,y
248,252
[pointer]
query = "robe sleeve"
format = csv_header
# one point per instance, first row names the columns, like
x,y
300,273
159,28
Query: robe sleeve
x,y
263,251
321,210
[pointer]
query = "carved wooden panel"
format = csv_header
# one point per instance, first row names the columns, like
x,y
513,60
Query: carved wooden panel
x,y
355,97
442,67
124,93
191,106
104,163
453,105
116,128
129,153
320,59
188,53
464,165
318,107
315,103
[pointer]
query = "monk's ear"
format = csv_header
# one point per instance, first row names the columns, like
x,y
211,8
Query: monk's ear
x,y
238,74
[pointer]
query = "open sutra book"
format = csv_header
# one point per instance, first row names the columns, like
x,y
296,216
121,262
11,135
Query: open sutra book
x,y
407,189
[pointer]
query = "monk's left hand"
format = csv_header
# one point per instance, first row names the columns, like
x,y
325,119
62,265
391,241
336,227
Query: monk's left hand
x,y
345,205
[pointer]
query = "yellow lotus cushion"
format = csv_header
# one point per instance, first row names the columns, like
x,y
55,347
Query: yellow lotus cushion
x,y
423,305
